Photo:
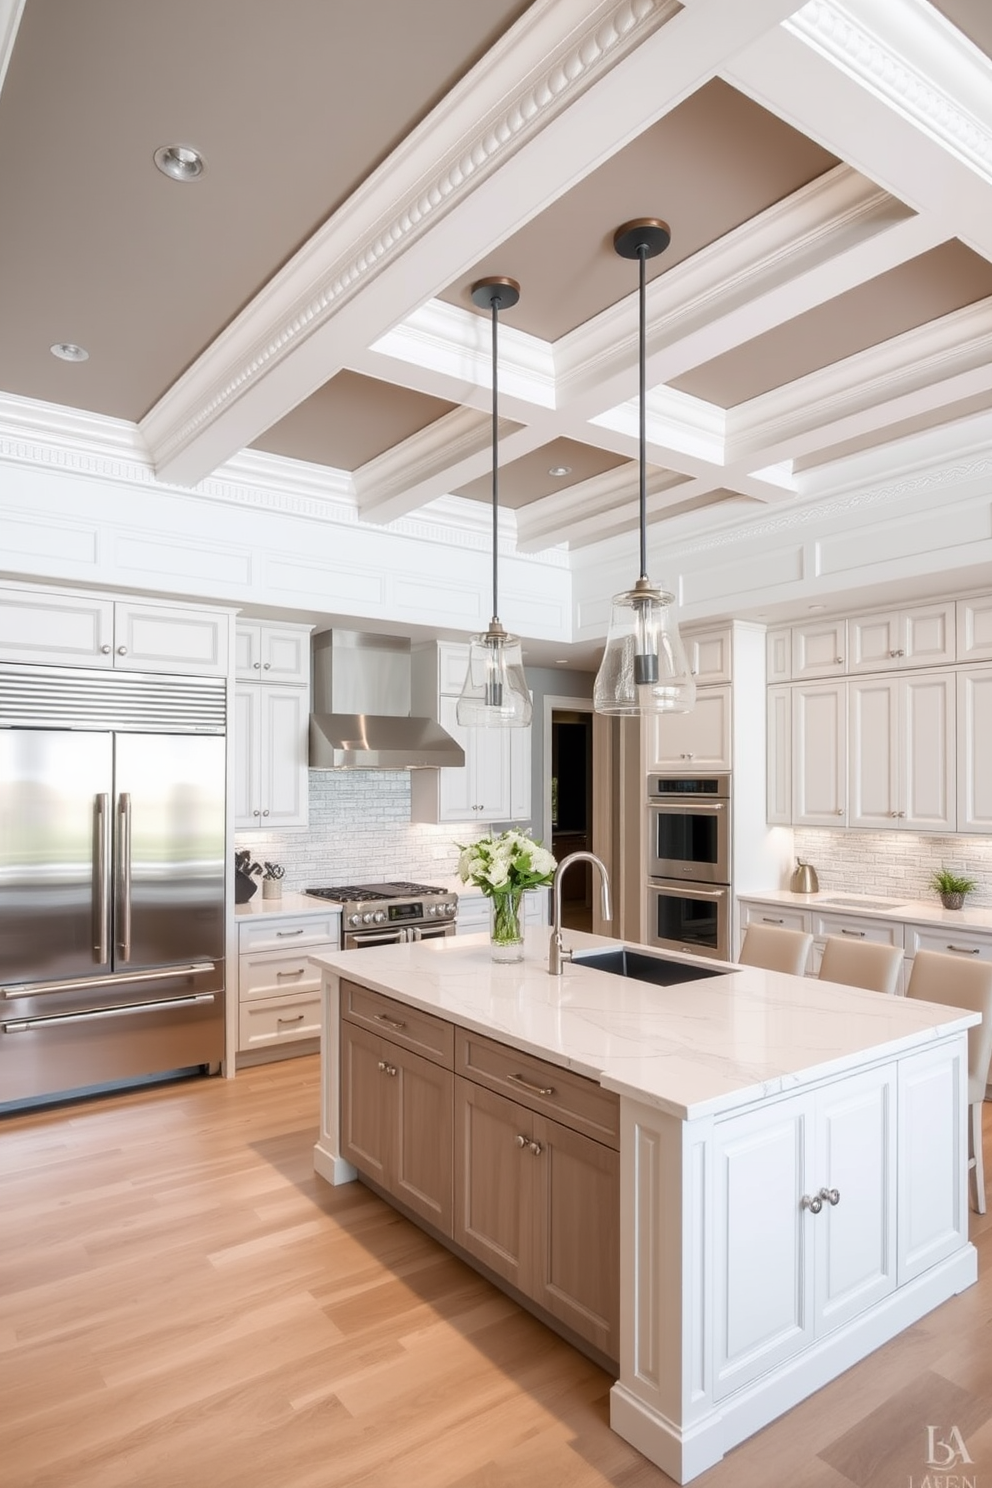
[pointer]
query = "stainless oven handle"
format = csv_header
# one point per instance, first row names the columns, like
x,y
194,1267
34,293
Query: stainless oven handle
x,y
85,1015
82,984
375,937
688,891
683,808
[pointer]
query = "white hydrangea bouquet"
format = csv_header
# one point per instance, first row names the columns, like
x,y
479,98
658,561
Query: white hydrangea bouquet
x,y
503,867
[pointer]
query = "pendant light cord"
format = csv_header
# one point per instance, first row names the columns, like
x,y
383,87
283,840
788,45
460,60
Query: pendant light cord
x,y
642,490
495,309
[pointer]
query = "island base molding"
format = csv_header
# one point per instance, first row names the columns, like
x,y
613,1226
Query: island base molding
x,y
684,1453
332,1167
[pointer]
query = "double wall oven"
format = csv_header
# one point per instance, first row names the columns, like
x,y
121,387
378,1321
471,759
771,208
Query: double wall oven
x,y
688,891
390,913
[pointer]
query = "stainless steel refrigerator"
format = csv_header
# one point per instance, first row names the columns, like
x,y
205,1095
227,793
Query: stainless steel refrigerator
x,y
111,877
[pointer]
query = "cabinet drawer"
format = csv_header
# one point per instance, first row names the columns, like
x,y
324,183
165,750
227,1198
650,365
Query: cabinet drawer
x,y
950,942
277,973
413,1029
278,1020
782,916
572,1099
289,932
856,927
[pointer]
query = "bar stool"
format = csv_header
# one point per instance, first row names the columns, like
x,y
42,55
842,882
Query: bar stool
x,y
861,963
937,977
775,950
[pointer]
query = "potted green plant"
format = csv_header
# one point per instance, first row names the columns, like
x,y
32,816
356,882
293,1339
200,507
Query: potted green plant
x,y
951,887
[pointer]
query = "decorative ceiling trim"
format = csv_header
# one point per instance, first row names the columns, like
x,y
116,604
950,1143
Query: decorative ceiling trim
x,y
10,19
883,64
533,73
390,485
560,516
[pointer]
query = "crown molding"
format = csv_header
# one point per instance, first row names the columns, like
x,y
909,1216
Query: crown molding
x,y
393,483
909,56
535,71
10,19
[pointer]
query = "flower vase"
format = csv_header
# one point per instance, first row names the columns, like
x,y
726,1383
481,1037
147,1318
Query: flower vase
x,y
506,933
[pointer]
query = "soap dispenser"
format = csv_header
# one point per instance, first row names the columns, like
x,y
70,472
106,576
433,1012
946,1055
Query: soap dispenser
x,y
804,880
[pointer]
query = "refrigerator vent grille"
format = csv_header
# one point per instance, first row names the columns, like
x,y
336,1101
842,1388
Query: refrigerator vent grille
x,y
139,702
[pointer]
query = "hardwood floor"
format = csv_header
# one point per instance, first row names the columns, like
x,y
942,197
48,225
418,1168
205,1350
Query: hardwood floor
x,y
184,1305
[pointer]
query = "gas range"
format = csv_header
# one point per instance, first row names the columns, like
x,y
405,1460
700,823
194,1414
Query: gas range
x,y
377,909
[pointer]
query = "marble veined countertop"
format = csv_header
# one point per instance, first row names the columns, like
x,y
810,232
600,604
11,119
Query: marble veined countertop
x,y
695,1049
878,906
287,904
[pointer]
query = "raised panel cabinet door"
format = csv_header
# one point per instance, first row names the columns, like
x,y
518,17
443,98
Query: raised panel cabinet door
x,y
423,1158
763,1283
710,656
152,638
855,1161
490,750
247,652
247,780
927,764
456,799
974,629
778,757
873,753
284,713
699,740
876,642
285,655
495,1182
578,1256
819,649
819,755
54,629
974,749
928,635
368,1103
520,774
932,1141
778,656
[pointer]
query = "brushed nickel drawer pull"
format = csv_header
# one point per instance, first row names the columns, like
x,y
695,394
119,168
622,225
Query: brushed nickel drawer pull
x,y
859,933
535,1148
300,971
282,934
768,920
387,1069
521,1140
527,1084
297,1019
965,950
385,1018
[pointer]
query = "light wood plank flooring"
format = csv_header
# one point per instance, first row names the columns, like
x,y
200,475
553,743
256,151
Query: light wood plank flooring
x,y
184,1305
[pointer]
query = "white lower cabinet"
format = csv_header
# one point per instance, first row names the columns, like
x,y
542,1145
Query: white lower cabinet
x,y
278,984
474,911
805,1206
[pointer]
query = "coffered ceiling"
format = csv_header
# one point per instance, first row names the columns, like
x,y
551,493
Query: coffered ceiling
x,y
826,172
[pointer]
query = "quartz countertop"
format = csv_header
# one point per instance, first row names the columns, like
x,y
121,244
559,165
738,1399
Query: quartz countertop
x,y
878,906
696,1049
288,904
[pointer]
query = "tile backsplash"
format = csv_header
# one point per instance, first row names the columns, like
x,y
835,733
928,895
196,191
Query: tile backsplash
x,y
895,864
360,832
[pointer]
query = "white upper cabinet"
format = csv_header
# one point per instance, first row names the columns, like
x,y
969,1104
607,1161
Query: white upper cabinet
x,y
974,749
901,756
696,741
778,644
778,786
272,653
710,655
60,628
819,649
974,625
924,636
819,755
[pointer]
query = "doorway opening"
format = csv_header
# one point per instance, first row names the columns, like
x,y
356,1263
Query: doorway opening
x,y
570,788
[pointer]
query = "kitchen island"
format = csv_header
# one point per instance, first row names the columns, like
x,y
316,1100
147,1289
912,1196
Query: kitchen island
x,y
787,1161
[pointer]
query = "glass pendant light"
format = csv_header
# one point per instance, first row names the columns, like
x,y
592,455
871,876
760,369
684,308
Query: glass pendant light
x,y
495,692
644,667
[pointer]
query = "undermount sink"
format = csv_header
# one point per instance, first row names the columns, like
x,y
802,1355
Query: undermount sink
x,y
642,967
862,903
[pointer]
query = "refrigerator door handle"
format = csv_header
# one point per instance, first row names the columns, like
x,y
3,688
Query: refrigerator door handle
x,y
124,877
102,873
82,984
86,1015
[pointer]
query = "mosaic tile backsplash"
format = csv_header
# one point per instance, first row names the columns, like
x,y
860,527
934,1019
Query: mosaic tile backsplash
x,y
896,865
360,832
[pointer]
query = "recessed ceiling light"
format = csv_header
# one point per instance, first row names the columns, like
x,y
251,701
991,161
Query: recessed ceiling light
x,y
560,662
816,607
181,162
68,351
560,470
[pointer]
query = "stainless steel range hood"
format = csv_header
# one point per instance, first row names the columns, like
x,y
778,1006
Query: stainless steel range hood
x,y
361,701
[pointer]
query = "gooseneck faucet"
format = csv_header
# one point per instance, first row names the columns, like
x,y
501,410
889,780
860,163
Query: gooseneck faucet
x,y
557,954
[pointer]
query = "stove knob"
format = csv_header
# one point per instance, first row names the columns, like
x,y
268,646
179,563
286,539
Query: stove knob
x,y
449,909
354,919
432,909
378,917
367,918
